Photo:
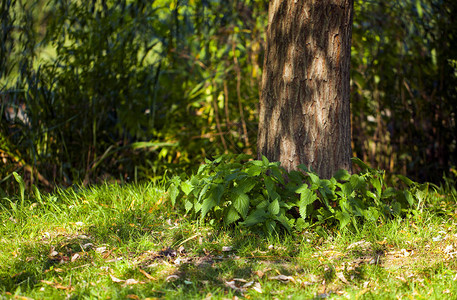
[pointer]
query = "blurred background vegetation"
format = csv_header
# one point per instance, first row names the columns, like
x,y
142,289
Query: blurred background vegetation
x,y
126,90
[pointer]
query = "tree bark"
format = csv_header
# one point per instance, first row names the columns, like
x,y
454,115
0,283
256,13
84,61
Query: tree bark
x,y
304,102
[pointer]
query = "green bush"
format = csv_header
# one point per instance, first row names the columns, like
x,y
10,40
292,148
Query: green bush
x,y
237,189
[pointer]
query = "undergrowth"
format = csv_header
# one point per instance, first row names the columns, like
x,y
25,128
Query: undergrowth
x,y
259,193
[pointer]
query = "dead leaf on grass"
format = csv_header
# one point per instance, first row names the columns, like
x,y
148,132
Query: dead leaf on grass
x,y
341,277
282,278
232,284
172,277
227,248
57,285
75,257
257,287
364,245
114,279
132,281
148,276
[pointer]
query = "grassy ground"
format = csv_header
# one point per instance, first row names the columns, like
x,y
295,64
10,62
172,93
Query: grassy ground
x,y
128,243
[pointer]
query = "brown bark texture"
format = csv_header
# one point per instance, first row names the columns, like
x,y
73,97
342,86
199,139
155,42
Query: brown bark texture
x,y
305,94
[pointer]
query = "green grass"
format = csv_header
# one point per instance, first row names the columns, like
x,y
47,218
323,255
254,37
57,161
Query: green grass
x,y
126,242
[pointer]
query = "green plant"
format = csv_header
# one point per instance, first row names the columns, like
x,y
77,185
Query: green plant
x,y
250,192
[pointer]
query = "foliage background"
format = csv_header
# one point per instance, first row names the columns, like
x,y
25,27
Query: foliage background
x,y
130,89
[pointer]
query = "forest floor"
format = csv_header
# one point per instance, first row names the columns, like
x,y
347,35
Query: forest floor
x,y
115,242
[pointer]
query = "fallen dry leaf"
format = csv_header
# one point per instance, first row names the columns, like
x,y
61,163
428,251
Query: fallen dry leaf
x,y
360,244
232,284
341,277
257,287
172,277
282,278
148,276
57,285
75,257
131,281
114,279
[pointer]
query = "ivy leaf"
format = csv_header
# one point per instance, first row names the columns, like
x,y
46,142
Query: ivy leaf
x,y
273,208
241,204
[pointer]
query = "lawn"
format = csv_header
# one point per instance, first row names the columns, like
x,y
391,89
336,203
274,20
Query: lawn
x,y
128,242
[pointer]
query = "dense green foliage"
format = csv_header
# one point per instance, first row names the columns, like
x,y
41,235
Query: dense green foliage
x,y
124,90
261,193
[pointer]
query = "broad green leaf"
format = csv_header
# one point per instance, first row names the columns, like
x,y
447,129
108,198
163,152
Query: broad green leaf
x,y
277,174
207,205
284,222
306,198
217,192
257,216
360,163
347,189
270,226
269,185
376,182
173,191
265,161
273,208
314,178
409,197
203,191
406,180
21,183
263,205
197,207
245,186
342,175
231,176
302,188
303,167
254,170
188,205
186,187
231,216
389,192
357,181
372,195
344,218
241,203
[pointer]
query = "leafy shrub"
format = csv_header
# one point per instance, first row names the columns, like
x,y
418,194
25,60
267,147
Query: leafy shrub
x,y
237,189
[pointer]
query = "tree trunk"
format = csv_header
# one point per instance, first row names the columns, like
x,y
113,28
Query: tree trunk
x,y
304,102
